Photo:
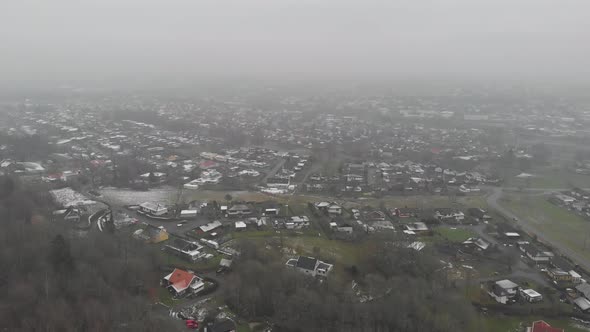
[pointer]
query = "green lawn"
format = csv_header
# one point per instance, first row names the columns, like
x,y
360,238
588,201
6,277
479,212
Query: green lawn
x,y
165,297
253,234
556,223
333,250
456,235
204,265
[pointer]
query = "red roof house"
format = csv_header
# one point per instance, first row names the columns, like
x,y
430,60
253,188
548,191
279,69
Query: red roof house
x,y
180,281
542,326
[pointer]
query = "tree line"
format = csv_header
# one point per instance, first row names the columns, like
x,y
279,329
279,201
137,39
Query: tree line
x,y
53,280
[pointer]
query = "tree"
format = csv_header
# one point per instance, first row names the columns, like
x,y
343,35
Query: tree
x,y
60,256
228,197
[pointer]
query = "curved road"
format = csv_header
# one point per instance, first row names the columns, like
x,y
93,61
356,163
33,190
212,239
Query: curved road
x,y
529,227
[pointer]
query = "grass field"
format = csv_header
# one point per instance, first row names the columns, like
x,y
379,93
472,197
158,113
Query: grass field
x,y
551,178
556,223
456,235
205,265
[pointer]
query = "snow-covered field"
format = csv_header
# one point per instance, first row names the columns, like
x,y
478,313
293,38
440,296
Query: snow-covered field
x,y
121,196
67,197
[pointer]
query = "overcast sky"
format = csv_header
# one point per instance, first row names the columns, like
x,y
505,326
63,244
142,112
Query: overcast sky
x,y
82,39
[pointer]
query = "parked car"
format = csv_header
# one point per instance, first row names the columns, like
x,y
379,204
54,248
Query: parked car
x,y
192,324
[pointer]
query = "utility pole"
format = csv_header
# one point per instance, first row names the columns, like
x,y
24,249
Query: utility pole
x,y
46,286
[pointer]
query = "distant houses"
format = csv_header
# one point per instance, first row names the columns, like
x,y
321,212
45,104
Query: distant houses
x,y
329,208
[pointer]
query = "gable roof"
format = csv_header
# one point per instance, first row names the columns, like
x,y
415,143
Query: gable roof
x,y
584,289
225,325
180,279
307,263
542,326
239,207
582,303
506,284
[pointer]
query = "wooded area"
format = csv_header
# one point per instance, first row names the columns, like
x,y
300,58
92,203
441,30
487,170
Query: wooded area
x,y
52,280
408,295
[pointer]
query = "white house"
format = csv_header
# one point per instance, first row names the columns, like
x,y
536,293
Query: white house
x,y
153,208
531,295
503,291
310,266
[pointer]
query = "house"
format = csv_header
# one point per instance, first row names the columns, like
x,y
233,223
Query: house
x,y
271,211
278,182
240,225
542,326
476,243
153,209
562,271
297,222
194,184
449,215
531,295
151,234
418,246
503,291
334,209
416,227
512,235
330,208
584,290
210,226
582,303
478,213
310,266
536,254
375,215
188,250
181,282
561,199
340,226
239,210
225,263
405,212
188,214
154,177
224,325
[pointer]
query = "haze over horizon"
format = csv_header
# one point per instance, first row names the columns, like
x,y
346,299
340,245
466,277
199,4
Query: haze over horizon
x,y
67,40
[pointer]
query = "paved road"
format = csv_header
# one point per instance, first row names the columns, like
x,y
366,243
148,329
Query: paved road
x,y
529,227
274,170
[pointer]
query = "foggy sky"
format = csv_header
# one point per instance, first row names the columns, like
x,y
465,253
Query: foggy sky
x,y
57,40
